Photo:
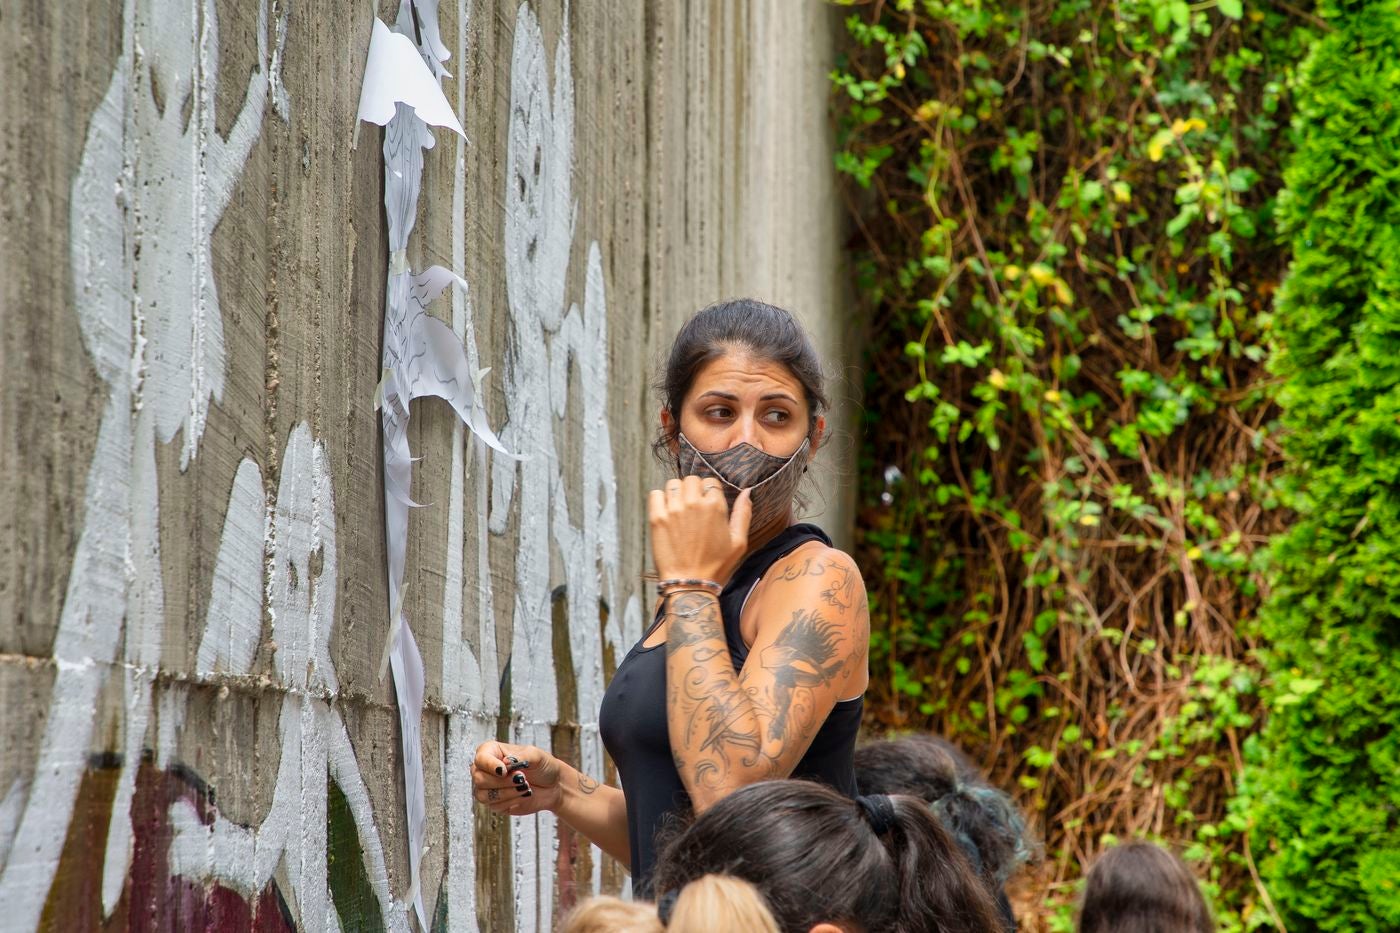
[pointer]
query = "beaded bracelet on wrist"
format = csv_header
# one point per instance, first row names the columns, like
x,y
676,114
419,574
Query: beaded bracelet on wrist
x,y
666,587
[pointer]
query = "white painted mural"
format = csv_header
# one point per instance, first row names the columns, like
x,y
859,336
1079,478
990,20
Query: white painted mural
x,y
152,185
301,580
549,336
154,182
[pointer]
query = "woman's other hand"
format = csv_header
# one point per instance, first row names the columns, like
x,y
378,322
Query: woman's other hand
x,y
694,535
516,780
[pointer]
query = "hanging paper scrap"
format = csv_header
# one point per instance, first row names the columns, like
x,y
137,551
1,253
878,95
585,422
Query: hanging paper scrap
x,y
396,73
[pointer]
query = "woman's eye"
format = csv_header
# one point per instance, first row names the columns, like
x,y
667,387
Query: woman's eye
x,y
718,411
776,416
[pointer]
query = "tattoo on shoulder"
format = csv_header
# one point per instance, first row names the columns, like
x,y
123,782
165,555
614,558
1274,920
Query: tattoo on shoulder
x,y
841,588
807,567
840,579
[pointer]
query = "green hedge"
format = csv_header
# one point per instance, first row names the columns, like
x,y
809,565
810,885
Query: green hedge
x,y
1324,787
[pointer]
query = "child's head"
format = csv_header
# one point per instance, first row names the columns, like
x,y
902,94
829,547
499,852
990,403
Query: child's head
x,y
1139,887
719,902
611,915
984,820
821,859
710,902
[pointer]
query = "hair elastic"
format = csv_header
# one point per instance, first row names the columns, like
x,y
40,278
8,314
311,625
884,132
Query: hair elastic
x,y
879,812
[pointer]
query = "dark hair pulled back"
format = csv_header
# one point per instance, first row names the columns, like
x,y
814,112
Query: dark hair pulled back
x,y
746,325
1139,887
816,857
981,817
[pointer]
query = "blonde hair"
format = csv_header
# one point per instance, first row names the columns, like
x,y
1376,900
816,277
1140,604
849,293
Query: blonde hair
x,y
719,902
611,915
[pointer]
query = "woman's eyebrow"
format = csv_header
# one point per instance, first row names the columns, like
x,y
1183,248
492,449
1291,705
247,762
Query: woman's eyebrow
x,y
731,397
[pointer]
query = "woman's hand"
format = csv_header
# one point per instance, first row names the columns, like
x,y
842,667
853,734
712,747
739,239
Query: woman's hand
x,y
693,532
516,779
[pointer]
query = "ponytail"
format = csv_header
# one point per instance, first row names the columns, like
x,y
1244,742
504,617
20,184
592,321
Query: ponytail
x,y
987,820
983,820
939,889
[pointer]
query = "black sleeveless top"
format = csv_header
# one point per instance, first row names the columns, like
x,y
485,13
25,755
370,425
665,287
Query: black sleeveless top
x,y
633,720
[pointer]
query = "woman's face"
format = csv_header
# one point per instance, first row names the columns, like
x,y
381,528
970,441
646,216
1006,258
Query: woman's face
x,y
739,398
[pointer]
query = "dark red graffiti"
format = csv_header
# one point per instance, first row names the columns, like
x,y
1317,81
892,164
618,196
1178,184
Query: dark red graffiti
x,y
153,901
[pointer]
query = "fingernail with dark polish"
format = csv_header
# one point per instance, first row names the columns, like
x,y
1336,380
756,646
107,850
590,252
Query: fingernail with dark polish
x,y
518,766
528,793
518,778
500,770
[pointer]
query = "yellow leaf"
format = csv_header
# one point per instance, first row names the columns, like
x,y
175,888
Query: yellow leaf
x,y
1090,520
928,110
1062,293
1157,145
1011,273
1041,274
1052,396
997,379
1193,553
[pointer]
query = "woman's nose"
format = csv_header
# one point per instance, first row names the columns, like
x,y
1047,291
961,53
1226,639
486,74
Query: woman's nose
x,y
745,431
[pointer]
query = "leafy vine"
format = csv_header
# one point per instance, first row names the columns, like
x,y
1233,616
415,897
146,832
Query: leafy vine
x,y
1066,250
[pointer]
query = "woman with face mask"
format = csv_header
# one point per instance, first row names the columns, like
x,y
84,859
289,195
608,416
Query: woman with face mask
x,y
754,666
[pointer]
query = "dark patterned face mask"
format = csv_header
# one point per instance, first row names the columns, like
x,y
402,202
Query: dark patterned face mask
x,y
773,480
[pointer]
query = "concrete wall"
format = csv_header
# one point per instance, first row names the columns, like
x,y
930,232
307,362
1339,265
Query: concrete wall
x,y
193,597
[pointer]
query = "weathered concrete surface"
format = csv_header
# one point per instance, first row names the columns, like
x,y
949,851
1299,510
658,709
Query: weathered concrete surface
x,y
192,595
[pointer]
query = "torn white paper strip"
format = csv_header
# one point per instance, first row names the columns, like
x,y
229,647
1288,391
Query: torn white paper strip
x,y
422,355
395,72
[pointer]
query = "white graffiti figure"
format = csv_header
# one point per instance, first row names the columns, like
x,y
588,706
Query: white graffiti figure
x,y
539,225
470,690
546,342
301,585
152,184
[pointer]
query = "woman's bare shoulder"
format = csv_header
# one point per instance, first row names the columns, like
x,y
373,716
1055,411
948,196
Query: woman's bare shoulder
x,y
814,577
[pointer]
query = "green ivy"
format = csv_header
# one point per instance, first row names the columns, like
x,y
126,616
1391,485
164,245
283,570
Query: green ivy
x,y
1324,791
1068,254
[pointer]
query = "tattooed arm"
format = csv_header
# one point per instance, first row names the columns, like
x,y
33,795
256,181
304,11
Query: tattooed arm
x,y
730,728
599,811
